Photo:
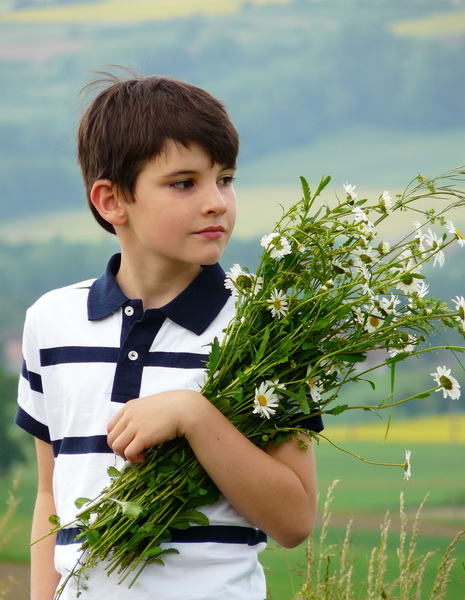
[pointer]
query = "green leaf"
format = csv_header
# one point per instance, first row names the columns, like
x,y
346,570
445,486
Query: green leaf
x,y
337,410
355,357
263,345
79,502
130,509
113,472
54,520
306,190
214,356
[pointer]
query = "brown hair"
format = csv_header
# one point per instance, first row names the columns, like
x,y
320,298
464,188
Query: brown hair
x,y
129,122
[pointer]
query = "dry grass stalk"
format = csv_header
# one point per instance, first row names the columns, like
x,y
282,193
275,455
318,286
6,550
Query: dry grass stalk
x,y
330,569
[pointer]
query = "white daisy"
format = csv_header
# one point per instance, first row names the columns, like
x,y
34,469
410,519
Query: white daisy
x,y
364,256
407,345
232,276
384,248
451,229
374,318
338,267
448,384
277,303
276,244
435,244
408,284
424,288
385,201
240,282
315,388
389,305
366,276
419,236
407,465
460,308
359,215
350,191
266,400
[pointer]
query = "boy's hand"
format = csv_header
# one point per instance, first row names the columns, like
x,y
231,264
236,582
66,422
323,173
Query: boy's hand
x,y
146,422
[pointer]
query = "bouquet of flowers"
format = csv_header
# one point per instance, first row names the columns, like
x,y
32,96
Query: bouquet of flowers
x,y
326,294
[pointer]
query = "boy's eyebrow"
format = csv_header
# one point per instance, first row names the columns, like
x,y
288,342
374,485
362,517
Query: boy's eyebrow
x,y
184,172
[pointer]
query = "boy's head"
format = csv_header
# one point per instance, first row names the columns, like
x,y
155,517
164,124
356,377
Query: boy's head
x,y
130,121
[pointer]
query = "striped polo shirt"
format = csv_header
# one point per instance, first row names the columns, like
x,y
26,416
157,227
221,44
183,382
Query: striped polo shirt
x,y
87,350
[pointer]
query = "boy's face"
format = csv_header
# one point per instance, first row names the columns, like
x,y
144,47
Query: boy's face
x,y
184,209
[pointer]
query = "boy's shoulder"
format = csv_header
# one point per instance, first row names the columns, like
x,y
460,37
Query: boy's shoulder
x,y
64,296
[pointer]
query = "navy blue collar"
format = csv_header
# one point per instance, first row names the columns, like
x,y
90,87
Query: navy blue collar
x,y
194,309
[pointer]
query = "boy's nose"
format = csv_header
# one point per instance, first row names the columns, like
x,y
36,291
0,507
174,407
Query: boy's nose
x,y
215,201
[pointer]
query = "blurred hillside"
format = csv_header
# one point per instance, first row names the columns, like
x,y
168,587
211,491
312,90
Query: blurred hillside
x,y
369,90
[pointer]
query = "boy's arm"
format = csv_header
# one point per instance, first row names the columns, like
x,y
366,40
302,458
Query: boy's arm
x,y
275,490
44,578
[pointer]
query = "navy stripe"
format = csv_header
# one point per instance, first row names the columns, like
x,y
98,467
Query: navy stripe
x,y
32,426
82,445
177,360
78,354
65,537
35,380
220,534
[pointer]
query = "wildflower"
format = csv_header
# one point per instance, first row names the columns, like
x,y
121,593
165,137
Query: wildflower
x,y
389,306
407,465
435,244
374,319
448,384
366,275
266,400
451,229
384,248
364,256
277,304
315,389
408,283
338,267
419,236
385,201
359,215
277,245
350,191
408,345
460,308
240,282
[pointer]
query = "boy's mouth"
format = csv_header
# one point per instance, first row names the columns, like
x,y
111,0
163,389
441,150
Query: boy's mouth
x,y
213,232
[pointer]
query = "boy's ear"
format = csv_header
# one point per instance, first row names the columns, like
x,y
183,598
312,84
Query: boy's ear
x,y
108,202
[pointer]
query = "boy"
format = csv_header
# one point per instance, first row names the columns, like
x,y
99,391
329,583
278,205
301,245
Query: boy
x,y
113,366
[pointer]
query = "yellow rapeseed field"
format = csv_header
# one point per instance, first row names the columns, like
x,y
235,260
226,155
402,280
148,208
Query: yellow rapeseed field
x,y
433,429
122,10
439,25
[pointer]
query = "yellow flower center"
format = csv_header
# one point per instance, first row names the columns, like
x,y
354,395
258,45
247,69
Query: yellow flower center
x,y
374,321
261,399
445,382
310,382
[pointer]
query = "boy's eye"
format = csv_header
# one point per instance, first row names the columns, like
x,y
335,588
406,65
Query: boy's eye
x,y
226,180
182,185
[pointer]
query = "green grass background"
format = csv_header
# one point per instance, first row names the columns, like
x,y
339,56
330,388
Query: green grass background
x,y
364,493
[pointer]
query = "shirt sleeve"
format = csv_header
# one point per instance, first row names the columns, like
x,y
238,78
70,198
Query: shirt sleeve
x,y
31,412
312,423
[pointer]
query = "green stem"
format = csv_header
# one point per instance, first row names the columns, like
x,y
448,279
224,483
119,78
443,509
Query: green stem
x,y
369,462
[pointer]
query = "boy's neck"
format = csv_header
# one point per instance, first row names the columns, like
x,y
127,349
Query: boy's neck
x,y
153,285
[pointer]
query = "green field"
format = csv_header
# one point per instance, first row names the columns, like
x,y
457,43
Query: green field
x,y
121,10
364,493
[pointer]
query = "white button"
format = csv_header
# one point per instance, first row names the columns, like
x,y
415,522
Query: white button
x,y
129,311
133,355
